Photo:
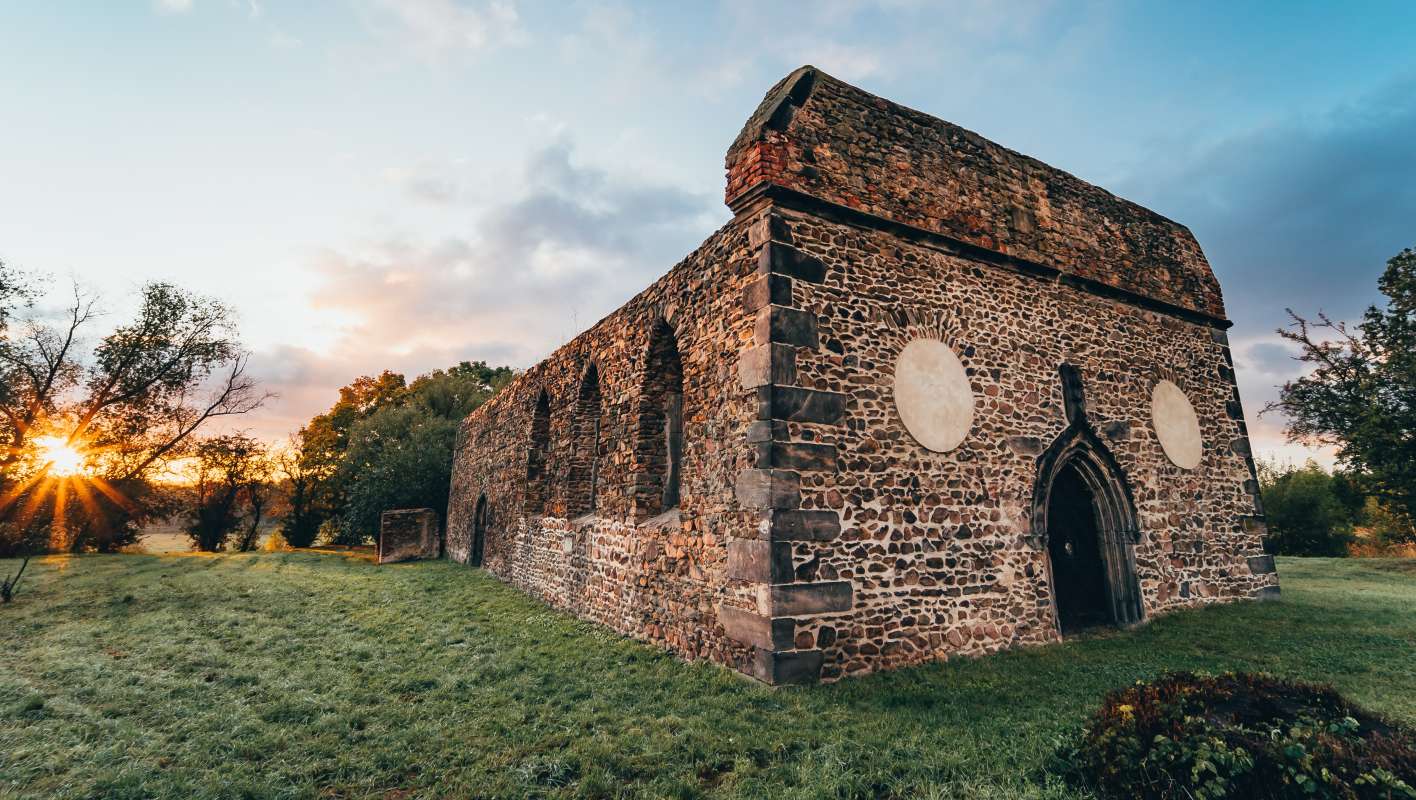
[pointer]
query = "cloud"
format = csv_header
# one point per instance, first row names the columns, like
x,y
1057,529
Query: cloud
x,y
436,29
172,6
535,269
1301,213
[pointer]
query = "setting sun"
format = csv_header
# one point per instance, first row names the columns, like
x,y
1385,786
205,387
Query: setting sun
x,y
64,459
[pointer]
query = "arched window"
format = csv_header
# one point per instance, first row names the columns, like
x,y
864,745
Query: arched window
x,y
538,456
585,462
659,444
480,522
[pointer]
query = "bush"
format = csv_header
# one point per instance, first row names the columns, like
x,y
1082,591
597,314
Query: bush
x,y
1240,736
1306,516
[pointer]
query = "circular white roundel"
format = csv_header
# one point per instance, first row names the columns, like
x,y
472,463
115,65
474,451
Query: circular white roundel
x,y
1176,425
932,394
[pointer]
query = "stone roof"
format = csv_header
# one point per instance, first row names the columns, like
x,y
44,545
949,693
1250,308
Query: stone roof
x,y
817,136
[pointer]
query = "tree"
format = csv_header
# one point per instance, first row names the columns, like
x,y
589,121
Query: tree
x,y
386,444
1361,393
130,407
231,472
305,483
1305,515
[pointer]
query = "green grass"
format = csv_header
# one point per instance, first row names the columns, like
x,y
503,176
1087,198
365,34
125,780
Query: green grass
x,y
307,675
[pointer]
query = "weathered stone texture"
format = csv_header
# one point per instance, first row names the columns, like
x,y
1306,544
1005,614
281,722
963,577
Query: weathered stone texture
x,y
824,138
408,533
814,537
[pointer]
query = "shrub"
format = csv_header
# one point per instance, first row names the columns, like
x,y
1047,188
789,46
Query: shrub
x,y
1305,515
1240,736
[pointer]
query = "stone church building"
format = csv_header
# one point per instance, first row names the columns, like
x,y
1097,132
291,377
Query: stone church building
x,y
923,396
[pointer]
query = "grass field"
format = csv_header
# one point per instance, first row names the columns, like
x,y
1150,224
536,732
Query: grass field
x,y
308,675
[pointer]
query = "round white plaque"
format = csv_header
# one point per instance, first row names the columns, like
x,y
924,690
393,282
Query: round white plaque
x,y
932,394
1176,425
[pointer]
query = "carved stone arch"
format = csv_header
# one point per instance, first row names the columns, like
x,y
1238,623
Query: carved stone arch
x,y
1079,449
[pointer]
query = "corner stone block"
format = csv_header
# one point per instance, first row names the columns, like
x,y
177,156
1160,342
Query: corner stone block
x,y
800,456
804,526
795,404
782,325
766,364
768,488
756,630
1269,593
769,229
783,259
777,669
767,290
1262,565
758,561
801,599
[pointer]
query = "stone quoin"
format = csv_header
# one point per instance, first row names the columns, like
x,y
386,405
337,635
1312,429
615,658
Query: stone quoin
x,y
922,397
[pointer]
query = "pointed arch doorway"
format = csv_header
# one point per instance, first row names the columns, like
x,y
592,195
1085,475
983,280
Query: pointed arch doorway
x,y
1085,519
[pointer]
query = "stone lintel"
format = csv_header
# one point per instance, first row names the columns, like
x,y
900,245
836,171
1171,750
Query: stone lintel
x,y
816,525
767,290
768,488
776,669
767,364
795,404
759,561
783,259
783,325
1262,565
800,456
802,599
754,629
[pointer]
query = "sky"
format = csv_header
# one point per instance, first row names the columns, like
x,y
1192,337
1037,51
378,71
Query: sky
x,y
406,184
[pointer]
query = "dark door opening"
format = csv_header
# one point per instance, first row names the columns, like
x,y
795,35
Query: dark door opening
x,y
1074,543
479,532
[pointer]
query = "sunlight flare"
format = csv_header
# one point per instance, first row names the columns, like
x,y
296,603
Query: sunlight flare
x,y
64,459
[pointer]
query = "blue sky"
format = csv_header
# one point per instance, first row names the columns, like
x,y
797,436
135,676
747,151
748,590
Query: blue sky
x,y
409,183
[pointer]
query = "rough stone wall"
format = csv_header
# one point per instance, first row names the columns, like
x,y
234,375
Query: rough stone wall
x,y
814,537
655,576
828,139
934,545
408,533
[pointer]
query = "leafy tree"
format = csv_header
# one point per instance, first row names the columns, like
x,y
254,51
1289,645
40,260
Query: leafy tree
x,y
131,406
1305,515
1361,393
316,486
306,497
229,489
399,453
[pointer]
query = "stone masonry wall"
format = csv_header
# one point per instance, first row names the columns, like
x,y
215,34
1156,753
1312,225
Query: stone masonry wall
x,y
408,533
659,577
814,537
816,135
934,545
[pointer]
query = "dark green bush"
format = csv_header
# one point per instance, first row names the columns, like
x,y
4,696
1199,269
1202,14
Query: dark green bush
x,y
1240,736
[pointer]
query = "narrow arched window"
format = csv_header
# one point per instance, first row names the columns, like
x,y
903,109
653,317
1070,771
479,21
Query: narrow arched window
x,y
659,444
538,456
585,463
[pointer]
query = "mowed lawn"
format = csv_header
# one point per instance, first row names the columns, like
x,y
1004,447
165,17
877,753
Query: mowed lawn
x,y
318,675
